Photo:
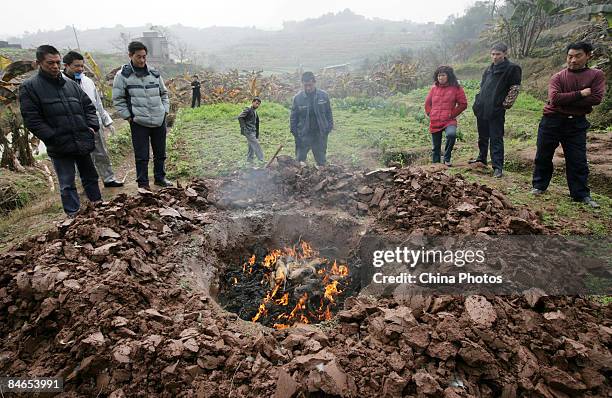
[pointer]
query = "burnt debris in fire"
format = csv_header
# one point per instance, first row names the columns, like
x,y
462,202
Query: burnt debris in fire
x,y
282,287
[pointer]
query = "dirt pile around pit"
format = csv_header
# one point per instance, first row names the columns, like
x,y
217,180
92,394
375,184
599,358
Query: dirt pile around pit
x,y
99,301
408,199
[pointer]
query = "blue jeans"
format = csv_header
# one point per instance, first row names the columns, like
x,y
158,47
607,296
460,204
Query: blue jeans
x,y
64,167
436,141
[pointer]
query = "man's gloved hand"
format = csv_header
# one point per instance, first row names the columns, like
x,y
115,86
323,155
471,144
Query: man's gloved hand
x,y
111,129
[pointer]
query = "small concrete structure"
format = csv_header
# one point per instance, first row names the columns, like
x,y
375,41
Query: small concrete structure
x,y
157,45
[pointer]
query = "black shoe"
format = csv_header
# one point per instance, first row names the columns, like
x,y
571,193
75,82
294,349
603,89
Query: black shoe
x,y
536,191
113,184
163,183
144,186
589,201
497,173
477,160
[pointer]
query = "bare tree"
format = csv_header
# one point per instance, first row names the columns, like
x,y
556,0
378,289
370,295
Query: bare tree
x,y
121,43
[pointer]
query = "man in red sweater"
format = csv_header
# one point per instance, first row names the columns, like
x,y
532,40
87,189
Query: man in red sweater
x,y
572,93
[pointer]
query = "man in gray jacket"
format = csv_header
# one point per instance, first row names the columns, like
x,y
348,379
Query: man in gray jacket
x,y
140,96
311,121
249,127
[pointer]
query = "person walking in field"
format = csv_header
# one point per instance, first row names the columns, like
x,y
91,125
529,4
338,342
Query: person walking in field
x,y
74,65
140,97
61,115
499,88
249,127
311,121
196,96
572,94
445,101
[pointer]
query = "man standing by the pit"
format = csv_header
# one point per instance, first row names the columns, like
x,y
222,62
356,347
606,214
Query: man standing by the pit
x,y
196,96
74,66
499,88
572,93
249,127
140,97
60,114
311,121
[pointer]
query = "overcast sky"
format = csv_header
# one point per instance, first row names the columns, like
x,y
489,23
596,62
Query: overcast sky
x,y
267,14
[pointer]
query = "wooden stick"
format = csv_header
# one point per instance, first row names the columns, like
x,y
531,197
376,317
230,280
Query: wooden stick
x,y
280,147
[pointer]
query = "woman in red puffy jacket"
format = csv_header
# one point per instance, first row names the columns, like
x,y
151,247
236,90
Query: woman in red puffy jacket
x,y
445,101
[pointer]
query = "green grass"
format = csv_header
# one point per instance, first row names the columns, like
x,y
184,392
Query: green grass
x,y
120,144
27,186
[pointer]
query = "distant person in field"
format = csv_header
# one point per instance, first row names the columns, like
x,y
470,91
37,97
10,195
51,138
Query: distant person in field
x,y
74,65
499,88
572,93
140,97
311,121
196,96
445,101
249,127
61,115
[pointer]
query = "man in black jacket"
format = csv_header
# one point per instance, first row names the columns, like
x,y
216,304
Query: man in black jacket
x,y
58,112
249,127
499,88
195,92
311,121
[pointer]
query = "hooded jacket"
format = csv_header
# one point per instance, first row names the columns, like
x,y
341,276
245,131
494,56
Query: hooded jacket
x,y
443,104
59,113
141,96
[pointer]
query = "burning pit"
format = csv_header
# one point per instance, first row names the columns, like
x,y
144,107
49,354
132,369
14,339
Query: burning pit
x,y
288,268
282,287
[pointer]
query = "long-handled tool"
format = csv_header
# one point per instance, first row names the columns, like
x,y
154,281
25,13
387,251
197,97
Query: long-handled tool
x,y
280,147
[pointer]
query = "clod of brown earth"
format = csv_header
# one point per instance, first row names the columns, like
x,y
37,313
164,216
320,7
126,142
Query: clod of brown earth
x,y
480,311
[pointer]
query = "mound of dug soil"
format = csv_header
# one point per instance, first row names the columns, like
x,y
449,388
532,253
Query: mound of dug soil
x,y
103,302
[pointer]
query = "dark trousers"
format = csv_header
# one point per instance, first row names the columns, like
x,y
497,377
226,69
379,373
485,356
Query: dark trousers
x,y
141,137
491,132
315,142
65,170
571,134
436,142
195,97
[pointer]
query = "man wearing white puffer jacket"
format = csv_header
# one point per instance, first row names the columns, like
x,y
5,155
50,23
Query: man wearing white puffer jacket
x,y
74,65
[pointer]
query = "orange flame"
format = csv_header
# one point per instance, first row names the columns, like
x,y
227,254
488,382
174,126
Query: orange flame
x,y
277,273
331,290
283,300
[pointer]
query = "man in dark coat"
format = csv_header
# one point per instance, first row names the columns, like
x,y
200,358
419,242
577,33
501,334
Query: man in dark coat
x,y
311,121
249,127
499,88
59,113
